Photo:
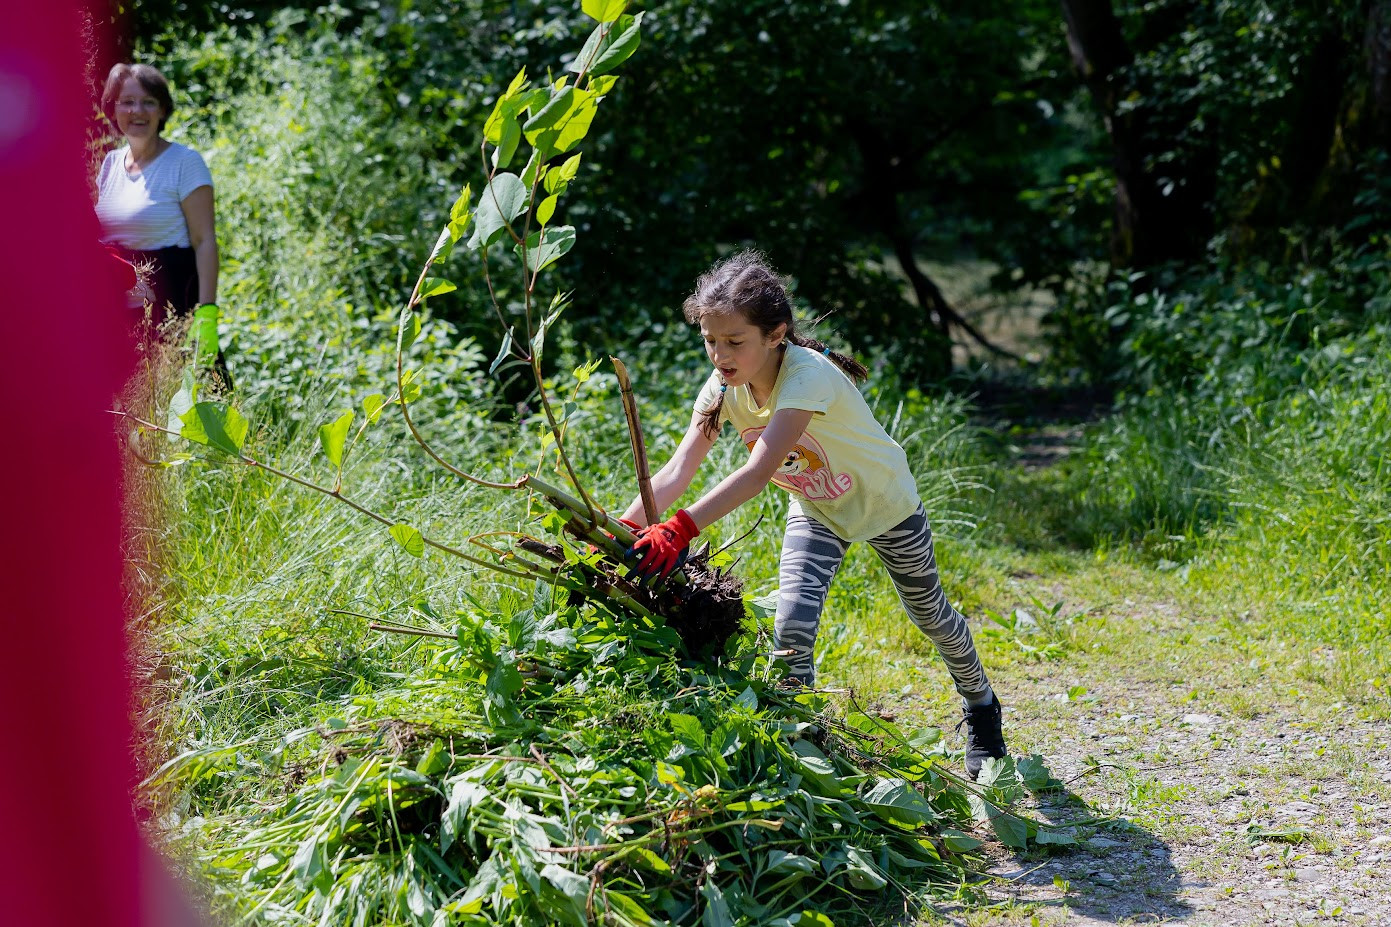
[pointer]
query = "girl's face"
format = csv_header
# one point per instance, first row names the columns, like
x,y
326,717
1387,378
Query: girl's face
x,y
740,352
137,111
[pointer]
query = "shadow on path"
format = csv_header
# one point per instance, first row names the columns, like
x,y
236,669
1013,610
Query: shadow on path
x,y
1118,872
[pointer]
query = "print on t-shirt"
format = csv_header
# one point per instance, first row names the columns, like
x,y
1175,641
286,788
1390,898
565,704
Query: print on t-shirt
x,y
806,468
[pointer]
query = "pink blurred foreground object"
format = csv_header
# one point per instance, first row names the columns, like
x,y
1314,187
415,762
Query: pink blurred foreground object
x,y
71,853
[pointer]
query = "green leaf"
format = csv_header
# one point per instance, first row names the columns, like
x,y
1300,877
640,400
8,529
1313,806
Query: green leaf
x,y
507,145
503,682
606,11
862,873
434,286
506,108
959,842
1034,774
816,769
444,245
1047,836
670,775
459,214
410,386
538,341
813,919
584,371
547,246
896,801
543,129
748,699
608,46
181,402
546,209
502,201
454,823
215,424
1001,775
632,912
781,862
716,912
1255,834
433,760
307,861
503,353
409,539
558,178
1012,831
372,407
764,606
576,127
534,167
688,729
645,858
565,895
489,878
410,331
334,435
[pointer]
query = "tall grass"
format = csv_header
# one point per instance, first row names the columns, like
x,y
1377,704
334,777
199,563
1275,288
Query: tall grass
x,y
1269,499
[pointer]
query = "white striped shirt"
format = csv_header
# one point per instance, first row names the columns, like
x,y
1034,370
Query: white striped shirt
x,y
144,212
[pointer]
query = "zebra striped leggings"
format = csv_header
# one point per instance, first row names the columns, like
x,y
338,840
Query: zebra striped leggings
x,y
811,555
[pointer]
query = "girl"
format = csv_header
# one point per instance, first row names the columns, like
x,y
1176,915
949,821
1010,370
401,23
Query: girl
x,y
808,430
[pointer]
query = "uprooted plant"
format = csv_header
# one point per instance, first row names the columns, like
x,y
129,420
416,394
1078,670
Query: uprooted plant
x,y
560,763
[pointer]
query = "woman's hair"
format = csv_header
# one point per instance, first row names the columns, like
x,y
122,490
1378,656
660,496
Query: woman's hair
x,y
747,284
150,79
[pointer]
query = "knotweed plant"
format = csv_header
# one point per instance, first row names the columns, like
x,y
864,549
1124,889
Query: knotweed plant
x,y
606,751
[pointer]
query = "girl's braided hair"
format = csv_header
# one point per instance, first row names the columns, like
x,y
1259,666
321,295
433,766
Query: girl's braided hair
x,y
745,282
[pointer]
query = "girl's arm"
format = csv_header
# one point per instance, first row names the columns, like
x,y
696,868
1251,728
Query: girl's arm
x,y
771,449
202,234
676,474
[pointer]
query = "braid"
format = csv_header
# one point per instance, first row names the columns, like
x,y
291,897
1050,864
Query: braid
x,y
710,419
852,368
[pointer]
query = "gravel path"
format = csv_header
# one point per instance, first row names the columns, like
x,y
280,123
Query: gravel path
x,y
1238,798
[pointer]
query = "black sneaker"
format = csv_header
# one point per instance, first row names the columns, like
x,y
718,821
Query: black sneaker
x,y
983,736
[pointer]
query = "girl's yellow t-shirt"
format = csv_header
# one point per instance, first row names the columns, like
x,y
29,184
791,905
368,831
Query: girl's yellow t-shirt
x,y
845,471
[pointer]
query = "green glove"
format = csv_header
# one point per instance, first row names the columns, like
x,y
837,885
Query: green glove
x,y
205,347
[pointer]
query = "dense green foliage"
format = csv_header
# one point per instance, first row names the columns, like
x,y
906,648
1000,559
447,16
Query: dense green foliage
x,y
565,757
1246,454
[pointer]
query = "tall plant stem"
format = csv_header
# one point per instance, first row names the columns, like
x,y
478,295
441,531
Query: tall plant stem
x,y
405,406
630,409
334,494
601,519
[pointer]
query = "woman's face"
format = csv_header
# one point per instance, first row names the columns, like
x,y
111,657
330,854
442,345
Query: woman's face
x,y
138,113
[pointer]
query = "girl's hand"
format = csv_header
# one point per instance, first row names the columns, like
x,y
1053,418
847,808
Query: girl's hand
x,y
663,546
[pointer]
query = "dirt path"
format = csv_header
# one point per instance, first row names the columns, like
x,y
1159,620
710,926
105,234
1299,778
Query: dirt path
x,y
1279,817
1243,792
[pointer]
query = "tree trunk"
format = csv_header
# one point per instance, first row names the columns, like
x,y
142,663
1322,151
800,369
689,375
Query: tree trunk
x,y
1288,193
1377,49
1157,219
1361,137
882,178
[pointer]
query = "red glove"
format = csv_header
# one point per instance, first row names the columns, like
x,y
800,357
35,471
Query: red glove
x,y
663,546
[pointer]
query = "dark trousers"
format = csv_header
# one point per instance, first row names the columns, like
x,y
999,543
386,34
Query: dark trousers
x,y
173,276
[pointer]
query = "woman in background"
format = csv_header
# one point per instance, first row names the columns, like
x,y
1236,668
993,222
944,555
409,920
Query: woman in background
x,y
155,197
